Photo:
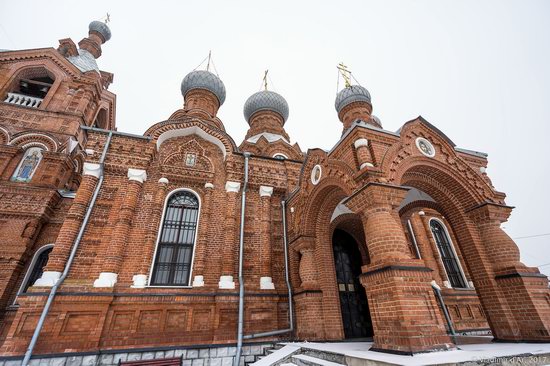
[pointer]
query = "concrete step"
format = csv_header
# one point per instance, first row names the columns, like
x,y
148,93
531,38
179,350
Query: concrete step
x,y
305,360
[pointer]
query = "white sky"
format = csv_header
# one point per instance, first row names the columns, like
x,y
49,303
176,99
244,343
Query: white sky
x,y
478,70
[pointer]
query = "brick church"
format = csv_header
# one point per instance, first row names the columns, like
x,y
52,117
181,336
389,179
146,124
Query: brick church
x,y
183,236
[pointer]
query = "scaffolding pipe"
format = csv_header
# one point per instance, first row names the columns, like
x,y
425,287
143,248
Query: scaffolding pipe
x,y
53,291
287,279
241,252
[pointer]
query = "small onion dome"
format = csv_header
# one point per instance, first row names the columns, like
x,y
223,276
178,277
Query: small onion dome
x,y
101,28
201,79
265,101
350,94
376,119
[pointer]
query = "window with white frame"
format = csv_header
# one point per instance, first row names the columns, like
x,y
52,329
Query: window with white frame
x,y
448,255
38,263
27,167
174,254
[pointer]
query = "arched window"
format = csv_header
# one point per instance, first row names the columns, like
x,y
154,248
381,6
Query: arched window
x,y
174,256
30,87
36,268
448,255
28,165
280,156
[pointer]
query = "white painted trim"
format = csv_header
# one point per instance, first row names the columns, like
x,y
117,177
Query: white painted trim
x,y
266,191
193,130
313,180
139,175
266,283
195,241
139,281
232,186
30,268
453,249
48,279
361,142
281,154
106,279
427,142
92,169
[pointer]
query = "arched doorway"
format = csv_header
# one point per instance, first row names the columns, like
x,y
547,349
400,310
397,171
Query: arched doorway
x,y
354,306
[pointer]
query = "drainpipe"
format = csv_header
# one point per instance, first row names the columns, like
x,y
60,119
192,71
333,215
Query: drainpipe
x,y
287,279
53,291
241,252
414,240
437,291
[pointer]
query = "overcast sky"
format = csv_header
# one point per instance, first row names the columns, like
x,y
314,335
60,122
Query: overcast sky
x,y
478,70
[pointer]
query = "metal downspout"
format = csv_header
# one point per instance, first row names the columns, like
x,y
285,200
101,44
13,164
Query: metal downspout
x,y
416,249
437,291
287,279
53,291
241,252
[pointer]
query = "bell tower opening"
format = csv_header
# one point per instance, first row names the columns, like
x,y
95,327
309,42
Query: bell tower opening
x,y
353,300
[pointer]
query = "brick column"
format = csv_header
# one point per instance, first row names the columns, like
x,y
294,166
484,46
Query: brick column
x,y
202,240
228,251
73,221
362,153
310,318
428,252
401,300
266,282
140,279
114,255
524,288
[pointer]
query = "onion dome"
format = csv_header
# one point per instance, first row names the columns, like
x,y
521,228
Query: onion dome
x,y
350,94
265,101
202,79
101,28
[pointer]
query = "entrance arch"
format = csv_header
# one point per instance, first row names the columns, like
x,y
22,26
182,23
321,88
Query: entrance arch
x,y
354,307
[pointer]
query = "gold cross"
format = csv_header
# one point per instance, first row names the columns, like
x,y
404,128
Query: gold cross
x,y
346,74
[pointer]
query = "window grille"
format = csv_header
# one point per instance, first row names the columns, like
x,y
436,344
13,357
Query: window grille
x,y
450,262
177,240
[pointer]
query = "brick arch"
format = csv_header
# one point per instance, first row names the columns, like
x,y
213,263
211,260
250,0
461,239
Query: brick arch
x,y
35,139
455,200
4,136
191,126
36,68
352,224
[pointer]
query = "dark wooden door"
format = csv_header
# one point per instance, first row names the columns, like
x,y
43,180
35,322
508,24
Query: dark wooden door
x,y
353,300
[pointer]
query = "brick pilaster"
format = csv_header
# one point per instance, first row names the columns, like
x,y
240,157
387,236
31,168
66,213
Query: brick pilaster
x,y
524,288
121,231
73,221
266,281
401,300
230,239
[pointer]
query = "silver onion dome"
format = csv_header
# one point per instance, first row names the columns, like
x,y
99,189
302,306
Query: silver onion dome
x,y
350,94
265,101
201,79
100,28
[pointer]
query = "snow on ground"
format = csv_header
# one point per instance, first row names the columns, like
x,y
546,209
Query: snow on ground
x,y
468,352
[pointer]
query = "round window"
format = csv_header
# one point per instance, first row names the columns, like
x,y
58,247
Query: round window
x,y
316,174
425,147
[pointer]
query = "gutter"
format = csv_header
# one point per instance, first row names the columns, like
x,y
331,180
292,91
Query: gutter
x,y
437,291
241,255
53,291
